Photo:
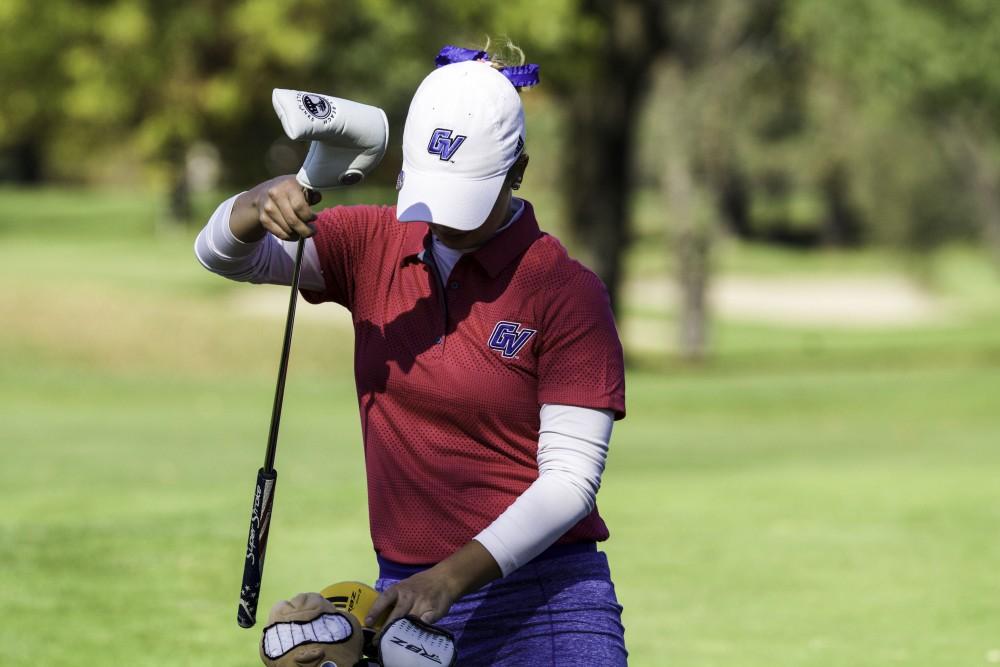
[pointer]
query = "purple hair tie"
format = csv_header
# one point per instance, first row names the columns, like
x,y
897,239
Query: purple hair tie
x,y
521,76
456,54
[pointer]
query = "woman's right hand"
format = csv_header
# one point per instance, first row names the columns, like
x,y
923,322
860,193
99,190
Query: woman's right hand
x,y
279,206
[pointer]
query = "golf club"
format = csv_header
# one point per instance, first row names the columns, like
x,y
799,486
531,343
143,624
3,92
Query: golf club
x,y
267,476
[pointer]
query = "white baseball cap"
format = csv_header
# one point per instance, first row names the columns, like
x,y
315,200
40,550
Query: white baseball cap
x,y
464,131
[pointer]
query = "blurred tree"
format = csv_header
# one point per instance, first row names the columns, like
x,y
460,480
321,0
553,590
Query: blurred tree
x,y
775,165
158,76
206,71
33,79
155,77
698,125
807,122
916,80
816,123
602,86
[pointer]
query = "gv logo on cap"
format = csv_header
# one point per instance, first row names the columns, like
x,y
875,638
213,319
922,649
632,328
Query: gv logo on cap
x,y
443,144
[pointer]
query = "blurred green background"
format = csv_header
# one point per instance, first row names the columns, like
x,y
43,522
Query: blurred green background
x,y
795,204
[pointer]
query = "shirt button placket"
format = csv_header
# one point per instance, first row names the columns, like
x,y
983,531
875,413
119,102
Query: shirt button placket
x,y
450,295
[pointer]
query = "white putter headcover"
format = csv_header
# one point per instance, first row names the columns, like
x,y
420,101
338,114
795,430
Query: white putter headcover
x,y
348,138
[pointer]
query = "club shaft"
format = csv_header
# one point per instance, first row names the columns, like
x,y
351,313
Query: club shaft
x,y
279,391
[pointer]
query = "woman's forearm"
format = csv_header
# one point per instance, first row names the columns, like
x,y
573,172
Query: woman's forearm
x,y
244,221
266,260
469,569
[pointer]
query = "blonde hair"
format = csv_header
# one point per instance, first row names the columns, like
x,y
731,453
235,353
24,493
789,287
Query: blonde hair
x,y
507,54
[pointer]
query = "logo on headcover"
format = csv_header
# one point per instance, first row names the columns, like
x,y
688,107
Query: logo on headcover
x,y
315,106
443,144
400,179
509,337
416,649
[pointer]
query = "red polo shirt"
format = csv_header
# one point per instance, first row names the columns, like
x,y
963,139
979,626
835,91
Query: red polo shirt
x,y
450,380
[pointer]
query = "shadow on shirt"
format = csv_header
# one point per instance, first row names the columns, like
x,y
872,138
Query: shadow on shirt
x,y
396,347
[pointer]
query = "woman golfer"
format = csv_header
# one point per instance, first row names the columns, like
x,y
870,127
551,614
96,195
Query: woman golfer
x,y
489,372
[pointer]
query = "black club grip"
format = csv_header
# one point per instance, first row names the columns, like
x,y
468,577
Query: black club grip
x,y
253,567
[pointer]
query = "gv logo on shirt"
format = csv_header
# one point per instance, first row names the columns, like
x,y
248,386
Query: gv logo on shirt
x,y
508,338
443,144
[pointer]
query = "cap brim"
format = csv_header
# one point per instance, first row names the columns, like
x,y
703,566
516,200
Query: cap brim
x,y
452,202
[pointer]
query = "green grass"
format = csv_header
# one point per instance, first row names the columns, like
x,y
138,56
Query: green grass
x,y
806,498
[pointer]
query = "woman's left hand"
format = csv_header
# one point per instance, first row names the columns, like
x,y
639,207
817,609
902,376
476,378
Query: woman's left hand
x,y
428,595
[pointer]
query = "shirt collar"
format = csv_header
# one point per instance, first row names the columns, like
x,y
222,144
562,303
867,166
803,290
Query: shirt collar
x,y
417,235
506,246
495,254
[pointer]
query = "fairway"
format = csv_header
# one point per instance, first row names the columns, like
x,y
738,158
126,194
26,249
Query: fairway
x,y
809,497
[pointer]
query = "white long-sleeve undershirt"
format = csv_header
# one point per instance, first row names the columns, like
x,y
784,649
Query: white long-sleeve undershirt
x,y
572,449
572,441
